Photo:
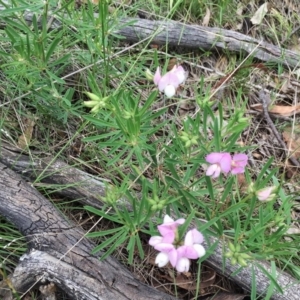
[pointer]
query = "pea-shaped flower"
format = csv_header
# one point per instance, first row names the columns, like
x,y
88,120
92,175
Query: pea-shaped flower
x,y
169,82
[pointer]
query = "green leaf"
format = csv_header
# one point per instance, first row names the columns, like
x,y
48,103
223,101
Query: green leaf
x,y
55,78
53,46
103,214
140,247
9,11
108,242
104,232
100,122
228,189
148,103
264,170
130,248
120,240
60,61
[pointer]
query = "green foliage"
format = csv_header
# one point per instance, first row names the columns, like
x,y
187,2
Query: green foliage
x,y
81,89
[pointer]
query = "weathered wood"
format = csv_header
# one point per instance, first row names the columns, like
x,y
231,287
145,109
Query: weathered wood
x,y
62,244
206,38
24,165
191,36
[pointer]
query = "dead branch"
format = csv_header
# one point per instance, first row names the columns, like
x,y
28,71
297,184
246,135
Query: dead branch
x,y
189,36
54,175
58,250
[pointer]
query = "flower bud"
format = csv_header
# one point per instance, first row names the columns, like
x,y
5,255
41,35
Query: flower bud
x,y
231,247
242,261
267,194
90,104
149,75
228,254
93,96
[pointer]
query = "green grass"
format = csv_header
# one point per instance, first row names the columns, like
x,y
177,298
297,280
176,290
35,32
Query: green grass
x,y
136,136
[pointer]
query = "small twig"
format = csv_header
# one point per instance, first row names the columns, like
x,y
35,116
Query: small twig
x,y
265,100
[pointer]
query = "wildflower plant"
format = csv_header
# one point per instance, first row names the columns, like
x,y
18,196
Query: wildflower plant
x,y
172,249
189,167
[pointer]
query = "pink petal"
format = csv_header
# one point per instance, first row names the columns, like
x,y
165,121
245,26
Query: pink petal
x,y
180,73
212,169
168,79
166,231
197,236
187,251
225,163
173,257
188,240
237,170
240,159
169,225
214,157
157,76
164,247
264,194
169,237
154,240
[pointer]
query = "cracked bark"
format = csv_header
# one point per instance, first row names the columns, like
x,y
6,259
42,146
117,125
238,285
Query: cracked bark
x,y
58,253
191,36
45,241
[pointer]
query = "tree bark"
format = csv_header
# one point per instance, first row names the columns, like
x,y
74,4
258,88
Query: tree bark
x,y
58,250
204,38
54,175
191,36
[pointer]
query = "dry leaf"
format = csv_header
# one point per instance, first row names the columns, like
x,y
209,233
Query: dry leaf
x,y
206,18
171,64
282,110
291,137
259,14
293,230
292,140
222,63
86,1
242,182
25,137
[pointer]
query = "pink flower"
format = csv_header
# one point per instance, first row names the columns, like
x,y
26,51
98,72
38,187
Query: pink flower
x,y
167,245
169,227
164,243
266,194
238,163
190,250
169,254
220,162
169,82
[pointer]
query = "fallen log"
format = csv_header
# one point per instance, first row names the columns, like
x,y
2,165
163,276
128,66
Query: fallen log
x,y
57,172
59,252
188,36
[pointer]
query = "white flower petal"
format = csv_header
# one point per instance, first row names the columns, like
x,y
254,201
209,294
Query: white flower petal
x,y
183,264
162,259
199,249
170,91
